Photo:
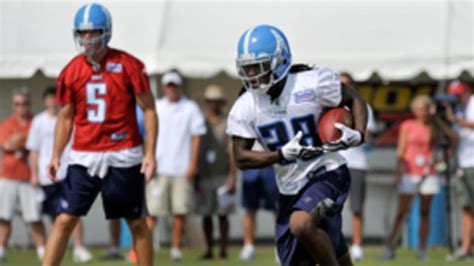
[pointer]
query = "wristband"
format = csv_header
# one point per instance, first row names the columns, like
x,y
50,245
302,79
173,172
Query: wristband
x,y
280,155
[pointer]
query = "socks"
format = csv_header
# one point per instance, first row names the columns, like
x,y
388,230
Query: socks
x,y
3,252
40,252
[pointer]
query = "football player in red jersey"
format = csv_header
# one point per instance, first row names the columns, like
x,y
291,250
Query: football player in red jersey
x,y
98,90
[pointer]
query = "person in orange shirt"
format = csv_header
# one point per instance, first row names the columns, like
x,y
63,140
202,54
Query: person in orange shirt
x,y
16,188
415,173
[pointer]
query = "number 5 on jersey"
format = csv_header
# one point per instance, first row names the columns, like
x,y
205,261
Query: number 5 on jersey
x,y
95,103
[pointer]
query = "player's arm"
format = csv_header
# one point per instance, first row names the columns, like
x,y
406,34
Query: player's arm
x,y
232,163
400,150
195,146
457,120
447,130
350,137
246,158
34,167
63,130
15,142
147,102
62,134
463,122
355,101
33,144
232,171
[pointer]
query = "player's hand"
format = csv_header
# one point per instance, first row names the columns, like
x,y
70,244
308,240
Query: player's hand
x,y
34,181
190,173
294,150
350,138
231,185
148,168
18,137
52,169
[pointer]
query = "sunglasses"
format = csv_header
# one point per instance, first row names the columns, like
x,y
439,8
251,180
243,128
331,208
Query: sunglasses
x,y
26,103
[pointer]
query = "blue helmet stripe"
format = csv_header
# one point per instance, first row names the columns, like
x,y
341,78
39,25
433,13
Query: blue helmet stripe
x,y
247,40
87,12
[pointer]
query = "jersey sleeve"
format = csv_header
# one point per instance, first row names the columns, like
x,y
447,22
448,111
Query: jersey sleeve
x,y
240,121
138,77
34,138
63,90
328,87
198,124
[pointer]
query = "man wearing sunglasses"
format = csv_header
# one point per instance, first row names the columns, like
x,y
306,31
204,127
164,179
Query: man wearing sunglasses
x,y
15,187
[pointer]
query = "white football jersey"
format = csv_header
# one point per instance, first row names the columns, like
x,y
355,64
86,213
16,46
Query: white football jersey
x,y
298,108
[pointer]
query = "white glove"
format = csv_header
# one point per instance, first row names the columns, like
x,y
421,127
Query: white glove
x,y
294,150
349,138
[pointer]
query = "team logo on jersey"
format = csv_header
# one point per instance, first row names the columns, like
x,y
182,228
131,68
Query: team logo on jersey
x,y
96,77
118,136
116,68
304,96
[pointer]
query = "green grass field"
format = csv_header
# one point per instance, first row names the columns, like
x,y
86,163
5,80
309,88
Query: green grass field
x,y
265,256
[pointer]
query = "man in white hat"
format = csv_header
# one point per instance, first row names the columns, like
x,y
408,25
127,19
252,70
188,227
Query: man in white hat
x,y
181,125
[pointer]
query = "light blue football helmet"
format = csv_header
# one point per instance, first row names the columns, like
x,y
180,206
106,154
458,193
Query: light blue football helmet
x,y
92,17
263,58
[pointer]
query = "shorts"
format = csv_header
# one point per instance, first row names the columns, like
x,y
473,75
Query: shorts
x,y
410,184
357,190
122,191
259,189
334,185
52,196
169,195
14,194
465,188
207,200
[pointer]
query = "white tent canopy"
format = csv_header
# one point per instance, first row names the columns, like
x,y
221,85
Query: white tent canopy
x,y
396,39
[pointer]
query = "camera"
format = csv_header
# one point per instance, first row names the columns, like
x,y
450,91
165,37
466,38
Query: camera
x,y
441,99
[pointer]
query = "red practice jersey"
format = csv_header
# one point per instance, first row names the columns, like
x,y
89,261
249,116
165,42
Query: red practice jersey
x,y
103,99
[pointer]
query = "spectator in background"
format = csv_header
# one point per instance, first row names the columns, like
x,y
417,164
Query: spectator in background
x,y
16,189
40,145
217,171
415,173
181,126
357,163
113,252
259,190
463,120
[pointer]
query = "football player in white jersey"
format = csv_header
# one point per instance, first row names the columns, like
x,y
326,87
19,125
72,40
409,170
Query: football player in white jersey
x,y
281,109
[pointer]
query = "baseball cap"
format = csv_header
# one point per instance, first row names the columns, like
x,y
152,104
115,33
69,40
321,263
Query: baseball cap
x,y
213,93
457,87
171,77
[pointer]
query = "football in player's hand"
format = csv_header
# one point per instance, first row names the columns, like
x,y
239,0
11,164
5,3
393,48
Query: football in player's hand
x,y
326,129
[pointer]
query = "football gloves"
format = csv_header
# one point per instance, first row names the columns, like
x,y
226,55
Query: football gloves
x,y
294,150
350,138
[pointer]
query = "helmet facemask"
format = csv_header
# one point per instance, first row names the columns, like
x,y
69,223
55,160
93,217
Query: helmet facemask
x,y
257,75
81,42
